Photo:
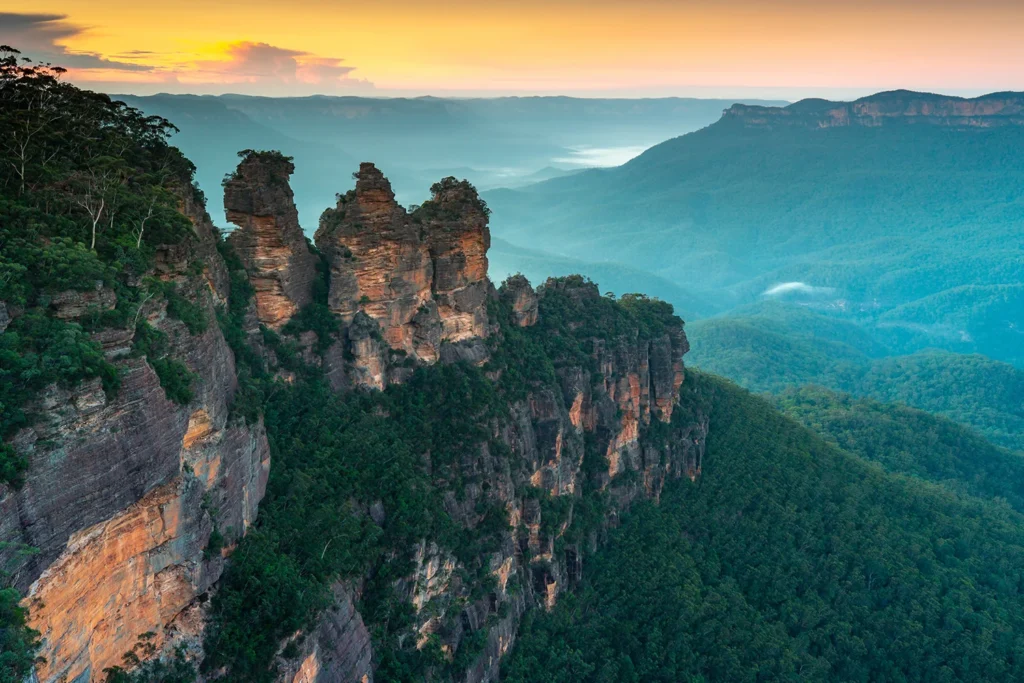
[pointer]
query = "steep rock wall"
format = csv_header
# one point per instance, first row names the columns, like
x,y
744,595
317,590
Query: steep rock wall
x,y
259,201
124,491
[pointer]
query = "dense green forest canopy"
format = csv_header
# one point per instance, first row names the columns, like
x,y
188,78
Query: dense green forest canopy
x,y
909,441
790,560
770,348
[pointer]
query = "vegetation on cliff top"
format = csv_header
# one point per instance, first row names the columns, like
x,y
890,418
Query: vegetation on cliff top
x,y
89,189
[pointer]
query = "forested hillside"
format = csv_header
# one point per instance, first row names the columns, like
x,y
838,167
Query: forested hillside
x,y
770,348
790,559
912,442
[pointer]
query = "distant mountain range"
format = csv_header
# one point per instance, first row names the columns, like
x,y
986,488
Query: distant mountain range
x,y
495,142
855,210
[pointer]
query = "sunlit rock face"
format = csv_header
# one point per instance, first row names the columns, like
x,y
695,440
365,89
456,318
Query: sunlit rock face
x,y
889,108
422,276
268,239
124,490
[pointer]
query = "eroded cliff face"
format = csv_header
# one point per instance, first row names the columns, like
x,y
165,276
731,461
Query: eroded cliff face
x,y
624,415
421,277
259,201
891,108
124,491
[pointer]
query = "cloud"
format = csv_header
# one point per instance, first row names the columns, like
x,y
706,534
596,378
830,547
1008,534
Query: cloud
x,y
253,63
241,66
39,36
796,288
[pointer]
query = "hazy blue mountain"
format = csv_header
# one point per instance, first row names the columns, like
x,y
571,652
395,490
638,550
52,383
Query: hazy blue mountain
x,y
773,347
491,142
892,210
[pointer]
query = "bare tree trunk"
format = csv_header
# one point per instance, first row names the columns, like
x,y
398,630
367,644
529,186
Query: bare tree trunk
x,y
142,223
95,221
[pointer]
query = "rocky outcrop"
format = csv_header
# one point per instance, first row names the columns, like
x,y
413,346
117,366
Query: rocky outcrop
x,y
339,649
125,490
421,277
889,108
520,296
268,239
455,219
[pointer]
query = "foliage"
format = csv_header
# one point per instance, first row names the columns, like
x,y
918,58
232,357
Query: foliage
x,y
89,190
789,560
18,643
143,666
912,442
175,377
774,348
179,307
450,198
36,351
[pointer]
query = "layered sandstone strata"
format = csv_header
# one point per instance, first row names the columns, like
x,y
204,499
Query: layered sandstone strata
x,y
422,277
889,108
125,490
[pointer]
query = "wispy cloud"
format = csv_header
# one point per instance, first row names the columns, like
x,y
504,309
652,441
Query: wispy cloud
x,y
239,66
41,36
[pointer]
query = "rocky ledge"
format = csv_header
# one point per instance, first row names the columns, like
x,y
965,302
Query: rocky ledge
x,y
886,109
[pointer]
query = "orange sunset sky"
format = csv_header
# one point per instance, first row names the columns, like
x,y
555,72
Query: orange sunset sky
x,y
784,48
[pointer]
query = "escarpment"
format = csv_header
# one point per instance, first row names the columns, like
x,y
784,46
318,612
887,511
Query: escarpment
x,y
886,109
132,493
528,420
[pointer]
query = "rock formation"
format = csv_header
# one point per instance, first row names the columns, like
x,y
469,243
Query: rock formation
x,y
889,108
339,649
523,300
125,492
421,277
268,239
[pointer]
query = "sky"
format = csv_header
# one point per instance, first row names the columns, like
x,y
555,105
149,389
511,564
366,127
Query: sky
x,y
715,48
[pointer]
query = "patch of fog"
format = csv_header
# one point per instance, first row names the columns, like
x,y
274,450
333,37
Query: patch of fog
x,y
601,157
796,288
